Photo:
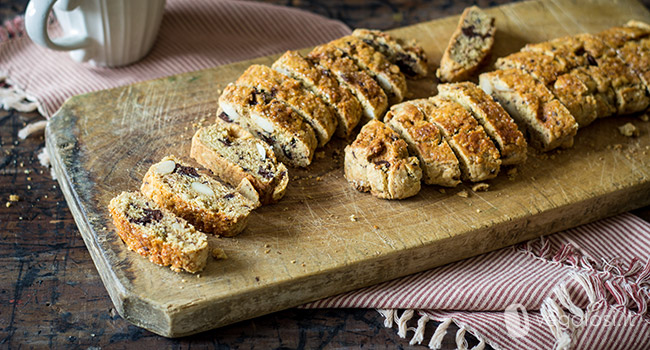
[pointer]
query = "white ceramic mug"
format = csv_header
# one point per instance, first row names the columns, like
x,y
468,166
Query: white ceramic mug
x,y
106,33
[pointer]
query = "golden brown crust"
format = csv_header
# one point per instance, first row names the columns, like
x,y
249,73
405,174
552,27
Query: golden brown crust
x,y
388,75
630,92
233,154
292,139
204,202
469,46
542,67
437,160
532,106
319,80
378,161
279,86
636,54
478,157
153,239
499,126
408,56
363,86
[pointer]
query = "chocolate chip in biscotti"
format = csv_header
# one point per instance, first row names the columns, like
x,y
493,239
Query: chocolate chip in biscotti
x,y
148,216
186,171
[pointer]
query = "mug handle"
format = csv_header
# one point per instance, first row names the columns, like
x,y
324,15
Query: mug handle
x,y
36,16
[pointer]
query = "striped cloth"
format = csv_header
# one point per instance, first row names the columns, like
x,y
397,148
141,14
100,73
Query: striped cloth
x,y
585,288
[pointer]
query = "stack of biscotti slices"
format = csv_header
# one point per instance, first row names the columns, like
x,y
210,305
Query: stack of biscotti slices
x,y
554,87
301,102
177,205
460,134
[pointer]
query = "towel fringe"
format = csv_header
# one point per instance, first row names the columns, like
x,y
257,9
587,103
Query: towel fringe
x,y
439,334
402,320
461,342
32,128
389,316
480,345
418,337
13,97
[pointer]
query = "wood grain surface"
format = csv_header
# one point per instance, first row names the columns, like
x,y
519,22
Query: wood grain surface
x,y
325,238
51,294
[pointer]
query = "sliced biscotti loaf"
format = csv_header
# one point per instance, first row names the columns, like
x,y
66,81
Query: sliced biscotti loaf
x,y
574,91
532,106
198,198
376,64
499,126
469,46
437,160
636,54
158,234
321,82
290,91
408,56
618,36
478,157
545,68
378,162
233,154
363,86
292,139
630,92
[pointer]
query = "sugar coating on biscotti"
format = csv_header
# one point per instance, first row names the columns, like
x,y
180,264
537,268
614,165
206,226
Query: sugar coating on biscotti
x,y
469,46
320,81
378,162
407,55
209,205
158,234
233,154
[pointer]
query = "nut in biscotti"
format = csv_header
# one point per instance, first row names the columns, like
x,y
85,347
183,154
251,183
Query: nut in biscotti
x,y
378,162
198,198
158,234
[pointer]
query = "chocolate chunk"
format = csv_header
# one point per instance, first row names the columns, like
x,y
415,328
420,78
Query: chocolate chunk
x,y
226,142
223,116
405,63
267,139
592,61
265,173
149,216
383,162
229,195
186,171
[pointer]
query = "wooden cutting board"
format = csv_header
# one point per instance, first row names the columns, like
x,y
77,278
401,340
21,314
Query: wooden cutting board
x,y
324,237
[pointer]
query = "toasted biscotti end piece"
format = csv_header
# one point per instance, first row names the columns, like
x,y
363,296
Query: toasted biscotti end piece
x,y
290,91
478,157
371,96
378,162
638,24
532,106
388,75
408,56
499,126
158,234
437,160
233,154
542,67
469,46
198,198
320,81
292,139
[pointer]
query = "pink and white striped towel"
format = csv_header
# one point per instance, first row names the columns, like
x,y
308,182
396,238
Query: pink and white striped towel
x,y
585,288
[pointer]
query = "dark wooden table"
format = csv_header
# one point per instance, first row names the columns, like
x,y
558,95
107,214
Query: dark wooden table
x,y
50,292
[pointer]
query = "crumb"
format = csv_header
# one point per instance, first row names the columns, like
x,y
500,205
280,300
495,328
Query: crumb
x,y
29,187
267,251
8,204
285,208
644,117
14,198
552,156
353,218
442,190
267,245
463,194
27,171
29,178
219,254
303,265
198,275
279,253
532,178
257,279
20,218
628,130
375,227
318,178
478,210
618,146
480,187
183,280
293,261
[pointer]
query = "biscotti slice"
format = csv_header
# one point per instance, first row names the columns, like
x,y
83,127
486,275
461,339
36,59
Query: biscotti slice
x,y
617,36
636,54
206,203
469,46
630,92
290,91
437,160
378,161
363,86
542,67
158,234
292,139
376,64
495,121
233,154
532,106
574,93
477,155
408,56
320,81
